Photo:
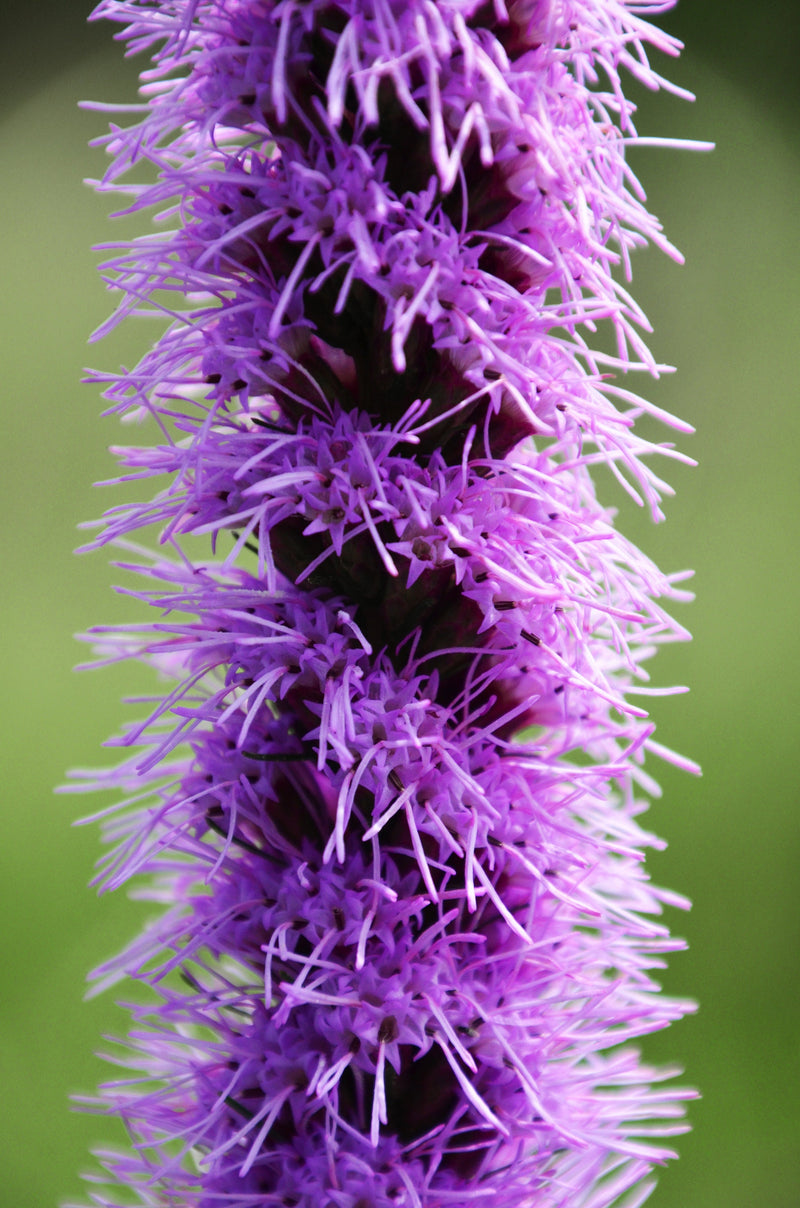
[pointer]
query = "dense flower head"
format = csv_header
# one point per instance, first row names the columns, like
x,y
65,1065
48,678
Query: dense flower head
x,y
390,799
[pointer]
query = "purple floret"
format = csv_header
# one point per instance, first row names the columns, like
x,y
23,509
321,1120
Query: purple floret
x,y
389,802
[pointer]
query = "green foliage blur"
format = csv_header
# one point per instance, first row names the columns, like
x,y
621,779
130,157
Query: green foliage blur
x,y
728,320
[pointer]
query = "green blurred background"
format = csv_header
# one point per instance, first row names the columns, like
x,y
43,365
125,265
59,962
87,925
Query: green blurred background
x,y
728,320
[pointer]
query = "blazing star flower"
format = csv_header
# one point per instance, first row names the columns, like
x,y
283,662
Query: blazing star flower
x,y
389,801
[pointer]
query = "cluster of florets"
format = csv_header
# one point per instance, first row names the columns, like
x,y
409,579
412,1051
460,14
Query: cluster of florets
x,y
394,784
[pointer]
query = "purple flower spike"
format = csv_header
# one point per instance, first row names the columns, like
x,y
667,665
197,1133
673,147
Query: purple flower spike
x,y
390,799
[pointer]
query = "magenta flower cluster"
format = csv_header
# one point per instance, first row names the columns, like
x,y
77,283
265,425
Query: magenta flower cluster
x,y
389,799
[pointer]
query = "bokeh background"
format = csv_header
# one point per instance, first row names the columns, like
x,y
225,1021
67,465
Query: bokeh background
x,y
728,320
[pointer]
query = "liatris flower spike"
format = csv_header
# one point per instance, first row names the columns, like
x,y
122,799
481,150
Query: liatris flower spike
x,y
390,800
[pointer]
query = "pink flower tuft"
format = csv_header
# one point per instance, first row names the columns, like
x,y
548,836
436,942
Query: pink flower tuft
x,y
390,799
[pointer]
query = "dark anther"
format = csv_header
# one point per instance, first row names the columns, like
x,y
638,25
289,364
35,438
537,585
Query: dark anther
x,y
561,406
552,515
225,210
530,637
421,549
558,689
338,918
247,545
459,551
239,1107
190,980
249,98
355,1045
213,825
279,756
239,384
388,1030
245,192
213,378
491,375
395,781
482,576
505,605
